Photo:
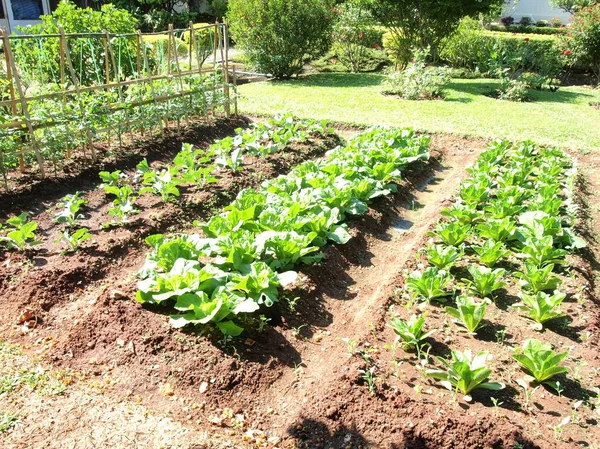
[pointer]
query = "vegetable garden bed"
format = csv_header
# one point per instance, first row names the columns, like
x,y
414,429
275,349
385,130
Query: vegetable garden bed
x,y
320,368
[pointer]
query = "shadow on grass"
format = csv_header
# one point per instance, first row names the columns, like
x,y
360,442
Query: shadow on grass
x,y
335,80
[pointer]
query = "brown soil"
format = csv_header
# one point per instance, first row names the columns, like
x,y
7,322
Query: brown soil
x,y
296,381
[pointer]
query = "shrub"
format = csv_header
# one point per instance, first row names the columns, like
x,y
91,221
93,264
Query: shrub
x,y
583,38
417,81
86,55
473,48
507,21
542,23
512,90
398,48
556,22
355,33
526,21
278,35
540,28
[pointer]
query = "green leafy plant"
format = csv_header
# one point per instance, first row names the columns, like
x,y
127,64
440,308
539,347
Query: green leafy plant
x,y
541,252
429,284
411,332
485,280
277,35
464,373
442,257
497,230
161,183
22,234
468,312
542,307
490,252
71,204
233,160
114,178
75,239
452,234
538,279
122,206
540,360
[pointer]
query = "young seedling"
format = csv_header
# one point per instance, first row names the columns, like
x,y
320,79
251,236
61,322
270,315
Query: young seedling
x,y
442,257
452,234
464,373
540,361
411,332
75,239
484,280
22,234
429,284
468,313
542,307
69,214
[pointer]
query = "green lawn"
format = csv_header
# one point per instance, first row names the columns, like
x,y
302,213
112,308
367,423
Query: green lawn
x,y
562,118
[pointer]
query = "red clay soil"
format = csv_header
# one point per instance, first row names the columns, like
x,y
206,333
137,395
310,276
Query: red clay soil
x,y
296,382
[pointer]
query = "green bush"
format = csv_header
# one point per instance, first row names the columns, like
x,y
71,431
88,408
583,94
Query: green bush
x,y
42,61
542,27
417,81
279,36
159,44
583,38
355,34
398,47
473,48
371,61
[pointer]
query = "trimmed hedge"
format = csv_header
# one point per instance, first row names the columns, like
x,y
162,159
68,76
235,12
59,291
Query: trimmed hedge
x,y
472,48
530,29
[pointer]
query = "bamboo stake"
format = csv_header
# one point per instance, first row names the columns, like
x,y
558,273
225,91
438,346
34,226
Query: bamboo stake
x,y
226,71
150,78
76,84
179,77
11,88
215,45
17,79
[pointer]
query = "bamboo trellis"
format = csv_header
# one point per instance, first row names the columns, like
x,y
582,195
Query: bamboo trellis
x,y
102,85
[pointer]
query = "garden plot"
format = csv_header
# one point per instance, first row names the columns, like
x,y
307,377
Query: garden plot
x,y
297,379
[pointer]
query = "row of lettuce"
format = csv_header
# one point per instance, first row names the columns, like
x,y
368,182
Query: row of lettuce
x,y
510,229
241,258
191,168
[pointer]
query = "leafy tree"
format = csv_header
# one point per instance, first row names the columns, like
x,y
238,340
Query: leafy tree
x,y
583,38
572,6
277,36
424,23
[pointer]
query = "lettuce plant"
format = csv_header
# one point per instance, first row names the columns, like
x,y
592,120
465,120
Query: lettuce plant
x,y
475,192
161,183
411,332
497,230
485,280
122,205
442,257
490,252
429,284
452,234
75,239
463,214
540,360
464,373
541,252
542,307
468,312
537,279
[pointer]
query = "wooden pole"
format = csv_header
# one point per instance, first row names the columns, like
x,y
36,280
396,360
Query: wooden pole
x,y
215,47
149,77
17,79
226,68
13,101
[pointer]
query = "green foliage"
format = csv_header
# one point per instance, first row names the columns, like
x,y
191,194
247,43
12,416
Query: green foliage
x,y
484,281
490,252
429,284
417,81
442,257
583,38
541,27
278,35
540,360
411,332
355,34
537,279
122,206
542,307
20,233
71,204
452,234
45,57
464,373
468,312
161,183
234,267
572,6
488,53
75,239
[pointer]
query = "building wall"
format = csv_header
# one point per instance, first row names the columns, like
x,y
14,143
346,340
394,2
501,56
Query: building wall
x,y
536,9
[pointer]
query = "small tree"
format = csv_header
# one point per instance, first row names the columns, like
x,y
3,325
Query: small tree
x,y
583,38
424,23
277,36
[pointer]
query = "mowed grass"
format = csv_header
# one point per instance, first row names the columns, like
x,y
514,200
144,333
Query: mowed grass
x,y
563,118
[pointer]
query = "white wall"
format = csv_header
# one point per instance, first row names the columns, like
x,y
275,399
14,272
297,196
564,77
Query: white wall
x,y
536,9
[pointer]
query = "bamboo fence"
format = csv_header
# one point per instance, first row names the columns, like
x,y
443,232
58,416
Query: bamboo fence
x,y
97,86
